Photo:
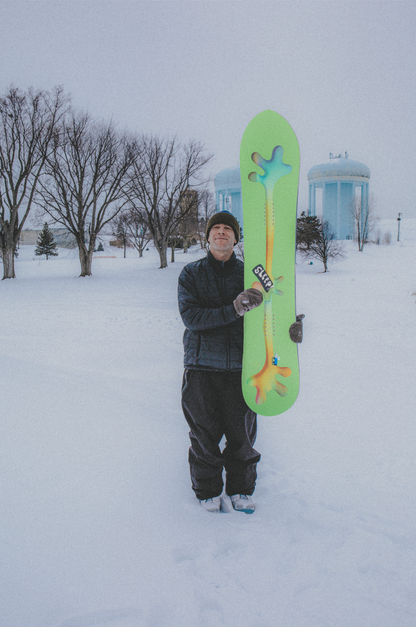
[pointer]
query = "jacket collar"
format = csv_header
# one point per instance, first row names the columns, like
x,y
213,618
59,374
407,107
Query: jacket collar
x,y
221,265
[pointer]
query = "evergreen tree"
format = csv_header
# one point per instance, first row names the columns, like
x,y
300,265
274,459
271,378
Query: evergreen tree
x,y
324,246
307,231
46,244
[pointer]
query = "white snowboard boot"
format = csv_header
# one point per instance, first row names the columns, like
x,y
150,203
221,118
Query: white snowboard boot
x,y
212,505
243,503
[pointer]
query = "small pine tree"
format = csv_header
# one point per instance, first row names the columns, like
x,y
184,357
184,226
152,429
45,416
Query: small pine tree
x,y
45,243
307,231
325,246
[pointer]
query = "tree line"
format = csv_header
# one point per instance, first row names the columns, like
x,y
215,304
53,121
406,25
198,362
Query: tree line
x,y
84,174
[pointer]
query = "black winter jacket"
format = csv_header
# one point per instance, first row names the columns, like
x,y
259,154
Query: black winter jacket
x,y
213,338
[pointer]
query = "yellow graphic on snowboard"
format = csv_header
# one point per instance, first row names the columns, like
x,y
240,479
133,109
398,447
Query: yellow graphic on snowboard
x,y
265,380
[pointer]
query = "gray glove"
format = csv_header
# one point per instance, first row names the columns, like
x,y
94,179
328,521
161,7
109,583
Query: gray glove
x,y
249,299
296,329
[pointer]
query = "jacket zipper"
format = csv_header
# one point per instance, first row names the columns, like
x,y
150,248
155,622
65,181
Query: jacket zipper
x,y
224,292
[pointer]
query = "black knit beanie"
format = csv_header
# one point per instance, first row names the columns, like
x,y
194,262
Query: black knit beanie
x,y
224,217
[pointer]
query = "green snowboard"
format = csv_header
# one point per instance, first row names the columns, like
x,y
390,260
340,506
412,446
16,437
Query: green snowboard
x,y
269,163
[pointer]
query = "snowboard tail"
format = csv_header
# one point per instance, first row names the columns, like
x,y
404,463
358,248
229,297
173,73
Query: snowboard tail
x,y
270,377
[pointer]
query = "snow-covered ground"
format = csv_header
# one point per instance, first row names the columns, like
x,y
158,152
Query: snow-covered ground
x,y
99,525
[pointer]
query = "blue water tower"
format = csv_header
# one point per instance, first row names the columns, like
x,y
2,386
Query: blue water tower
x,y
343,182
228,193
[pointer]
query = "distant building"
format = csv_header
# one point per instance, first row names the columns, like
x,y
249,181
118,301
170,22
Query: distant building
x,y
339,183
228,193
63,238
334,187
188,207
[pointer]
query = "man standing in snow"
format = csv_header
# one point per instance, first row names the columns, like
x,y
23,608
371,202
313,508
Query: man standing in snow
x,y
212,303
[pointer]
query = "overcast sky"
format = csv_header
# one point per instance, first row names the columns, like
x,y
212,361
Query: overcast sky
x,y
342,74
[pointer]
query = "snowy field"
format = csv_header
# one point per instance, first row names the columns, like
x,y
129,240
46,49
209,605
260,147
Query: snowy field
x,y
99,526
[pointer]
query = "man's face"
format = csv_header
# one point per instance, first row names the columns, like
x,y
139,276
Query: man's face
x,y
221,240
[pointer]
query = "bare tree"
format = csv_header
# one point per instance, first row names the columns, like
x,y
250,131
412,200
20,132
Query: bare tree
x,y
131,229
160,176
206,209
28,124
324,247
239,249
84,185
120,229
365,220
139,234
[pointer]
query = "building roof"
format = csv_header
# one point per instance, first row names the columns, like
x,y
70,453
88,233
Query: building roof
x,y
228,178
339,167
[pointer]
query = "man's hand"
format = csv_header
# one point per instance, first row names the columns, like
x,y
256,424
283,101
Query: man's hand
x,y
249,299
296,329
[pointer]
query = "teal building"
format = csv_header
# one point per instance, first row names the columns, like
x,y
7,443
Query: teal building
x,y
228,193
340,183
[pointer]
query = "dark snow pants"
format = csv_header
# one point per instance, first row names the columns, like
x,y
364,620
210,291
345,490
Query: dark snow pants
x,y
214,406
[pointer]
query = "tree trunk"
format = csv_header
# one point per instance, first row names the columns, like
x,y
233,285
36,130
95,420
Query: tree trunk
x,y
8,262
172,256
359,234
85,258
163,257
